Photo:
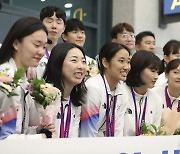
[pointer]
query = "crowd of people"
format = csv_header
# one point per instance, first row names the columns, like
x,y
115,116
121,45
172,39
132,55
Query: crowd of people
x,y
131,88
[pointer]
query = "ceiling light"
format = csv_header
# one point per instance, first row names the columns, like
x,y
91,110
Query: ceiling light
x,y
68,5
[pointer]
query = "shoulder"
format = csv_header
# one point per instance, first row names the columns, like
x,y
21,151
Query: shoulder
x,y
161,79
155,97
95,81
95,87
158,89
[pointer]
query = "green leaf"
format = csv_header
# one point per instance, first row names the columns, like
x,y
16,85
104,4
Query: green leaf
x,y
144,128
18,75
151,132
154,127
12,94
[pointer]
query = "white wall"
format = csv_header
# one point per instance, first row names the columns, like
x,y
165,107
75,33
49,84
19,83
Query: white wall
x,y
144,15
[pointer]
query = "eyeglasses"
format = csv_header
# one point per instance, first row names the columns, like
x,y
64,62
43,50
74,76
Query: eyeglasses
x,y
126,36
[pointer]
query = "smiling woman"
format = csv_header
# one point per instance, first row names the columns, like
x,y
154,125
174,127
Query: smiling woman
x,y
22,47
103,112
142,106
66,69
170,92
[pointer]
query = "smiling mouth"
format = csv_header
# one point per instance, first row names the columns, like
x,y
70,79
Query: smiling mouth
x,y
79,74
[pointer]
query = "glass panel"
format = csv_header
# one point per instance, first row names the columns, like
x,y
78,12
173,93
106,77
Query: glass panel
x,y
85,10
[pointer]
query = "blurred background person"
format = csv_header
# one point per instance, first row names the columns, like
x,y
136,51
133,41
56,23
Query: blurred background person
x,y
146,41
171,51
124,33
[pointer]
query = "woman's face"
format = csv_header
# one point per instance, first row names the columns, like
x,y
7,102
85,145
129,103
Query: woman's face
x,y
74,67
171,57
118,67
174,78
29,52
149,77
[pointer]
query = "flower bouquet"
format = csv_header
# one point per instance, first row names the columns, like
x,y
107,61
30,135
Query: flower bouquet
x,y
8,84
47,99
10,101
91,69
171,121
151,130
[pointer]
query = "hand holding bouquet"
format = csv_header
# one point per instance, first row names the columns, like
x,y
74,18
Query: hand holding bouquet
x,y
47,98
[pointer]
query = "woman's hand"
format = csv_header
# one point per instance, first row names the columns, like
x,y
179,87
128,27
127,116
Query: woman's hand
x,y
1,122
49,127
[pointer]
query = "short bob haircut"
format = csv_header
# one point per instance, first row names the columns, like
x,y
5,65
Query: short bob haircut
x,y
23,27
53,73
143,34
108,51
141,60
119,28
49,12
172,65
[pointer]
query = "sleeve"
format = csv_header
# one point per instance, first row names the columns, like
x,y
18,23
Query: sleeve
x,y
33,117
8,113
120,112
76,121
90,113
158,115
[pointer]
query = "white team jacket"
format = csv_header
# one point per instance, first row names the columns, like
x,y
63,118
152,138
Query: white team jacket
x,y
160,90
153,110
31,118
75,119
94,111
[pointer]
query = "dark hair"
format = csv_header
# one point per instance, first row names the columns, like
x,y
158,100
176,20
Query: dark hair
x,y
119,28
108,51
141,60
49,12
53,73
172,46
172,65
73,24
143,34
21,28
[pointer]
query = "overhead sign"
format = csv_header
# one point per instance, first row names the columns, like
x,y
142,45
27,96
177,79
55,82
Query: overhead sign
x,y
171,7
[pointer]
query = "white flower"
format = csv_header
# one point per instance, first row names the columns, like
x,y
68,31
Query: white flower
x,y
6,87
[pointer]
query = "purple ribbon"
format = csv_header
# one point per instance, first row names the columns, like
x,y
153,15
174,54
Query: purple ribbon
x,y
137,132
64,131
168,101
110,123
47,53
